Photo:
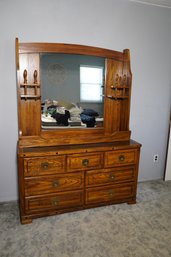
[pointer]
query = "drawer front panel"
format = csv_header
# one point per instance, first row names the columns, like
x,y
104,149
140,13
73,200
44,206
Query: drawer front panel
x,y
84,161
58,201
117,158
109,176
109,193
50,184
44,165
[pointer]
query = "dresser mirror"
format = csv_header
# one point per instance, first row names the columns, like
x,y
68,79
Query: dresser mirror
x,y
72,90
72,94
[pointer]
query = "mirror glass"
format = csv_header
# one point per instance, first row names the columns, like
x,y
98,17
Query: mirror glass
x,y
72,90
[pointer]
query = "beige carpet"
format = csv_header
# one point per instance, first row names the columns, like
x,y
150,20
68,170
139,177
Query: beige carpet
x,y
140,230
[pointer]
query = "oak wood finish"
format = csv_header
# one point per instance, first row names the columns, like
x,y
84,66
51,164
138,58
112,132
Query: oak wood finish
x,y
72,169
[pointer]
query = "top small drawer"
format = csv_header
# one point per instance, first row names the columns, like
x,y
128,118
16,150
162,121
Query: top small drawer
x,y
121,157
84,161
44,165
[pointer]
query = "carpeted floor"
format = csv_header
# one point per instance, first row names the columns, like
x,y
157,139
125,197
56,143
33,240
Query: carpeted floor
x,y
140,230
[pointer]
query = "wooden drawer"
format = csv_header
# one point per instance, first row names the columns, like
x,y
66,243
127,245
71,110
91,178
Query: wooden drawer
x,y
53,183
109,176
109,193
121,157
84,161
55,201
44,165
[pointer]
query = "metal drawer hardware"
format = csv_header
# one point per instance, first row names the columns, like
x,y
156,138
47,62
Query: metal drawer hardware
x,y
111,177
121,158
55,201
44,165
111,193
55,183
85,162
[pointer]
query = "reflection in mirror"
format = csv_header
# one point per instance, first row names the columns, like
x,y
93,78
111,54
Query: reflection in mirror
x,y
72,90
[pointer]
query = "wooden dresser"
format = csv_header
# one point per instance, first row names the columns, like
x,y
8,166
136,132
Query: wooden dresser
x,y
73,169
60,179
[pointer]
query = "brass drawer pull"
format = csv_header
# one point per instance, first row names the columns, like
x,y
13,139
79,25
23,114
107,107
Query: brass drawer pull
x,y
111,177
45,165
121,158
111,193
55,183
85,162
55,201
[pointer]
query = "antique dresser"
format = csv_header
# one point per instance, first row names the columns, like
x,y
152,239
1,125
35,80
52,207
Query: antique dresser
x,y
72,166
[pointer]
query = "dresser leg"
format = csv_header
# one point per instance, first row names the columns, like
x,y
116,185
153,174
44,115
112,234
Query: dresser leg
x,y
25,220
132,201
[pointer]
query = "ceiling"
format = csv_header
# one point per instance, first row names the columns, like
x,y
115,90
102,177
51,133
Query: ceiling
x,y
162,3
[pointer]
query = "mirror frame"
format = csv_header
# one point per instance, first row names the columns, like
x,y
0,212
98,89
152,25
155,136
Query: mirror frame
x,y
116,108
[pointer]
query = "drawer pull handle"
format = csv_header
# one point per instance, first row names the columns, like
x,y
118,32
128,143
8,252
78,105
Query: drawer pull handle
x,y
85,162
111,177
55,201
45,165
55,183
121,158
111,193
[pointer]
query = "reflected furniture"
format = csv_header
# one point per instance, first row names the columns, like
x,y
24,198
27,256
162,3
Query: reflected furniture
x,y
73,168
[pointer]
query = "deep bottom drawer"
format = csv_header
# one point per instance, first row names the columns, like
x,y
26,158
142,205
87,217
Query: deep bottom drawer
x,y
55,201
109,193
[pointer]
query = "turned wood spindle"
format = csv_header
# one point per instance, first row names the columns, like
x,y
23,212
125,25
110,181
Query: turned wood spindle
x,y
25,81
124,80
35,76
25,76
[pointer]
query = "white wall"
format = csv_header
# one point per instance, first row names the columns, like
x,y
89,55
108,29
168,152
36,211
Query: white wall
x,y
115,24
